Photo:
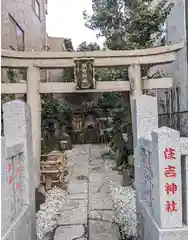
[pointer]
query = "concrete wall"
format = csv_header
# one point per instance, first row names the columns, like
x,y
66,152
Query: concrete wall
x,y
176,31
34,28
26,17
56,44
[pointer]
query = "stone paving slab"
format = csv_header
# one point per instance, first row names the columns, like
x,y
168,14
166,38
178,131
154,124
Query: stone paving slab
x,y
99,187
100,230
98,169
80,171
77,187
97,177
80,178
88,212
70,232
78,196
73,216
100,201
74,203
107,215
115,176
96,162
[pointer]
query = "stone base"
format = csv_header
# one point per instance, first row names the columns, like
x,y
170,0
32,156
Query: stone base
x,y
149,229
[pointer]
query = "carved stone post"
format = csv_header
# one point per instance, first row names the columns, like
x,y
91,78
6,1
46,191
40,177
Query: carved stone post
x,y
135,79
34,100
134,72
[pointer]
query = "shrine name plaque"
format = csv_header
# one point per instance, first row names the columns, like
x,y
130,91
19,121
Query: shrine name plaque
x,y
84,73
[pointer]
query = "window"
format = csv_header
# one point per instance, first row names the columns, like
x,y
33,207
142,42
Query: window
x,y
16,36
36,7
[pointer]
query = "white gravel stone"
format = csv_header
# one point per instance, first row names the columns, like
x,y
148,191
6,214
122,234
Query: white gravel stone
x,y
124,203
48,213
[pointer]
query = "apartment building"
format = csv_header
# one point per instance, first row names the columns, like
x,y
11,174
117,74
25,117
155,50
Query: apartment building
x,y
23,24
57,44
174,102
23,28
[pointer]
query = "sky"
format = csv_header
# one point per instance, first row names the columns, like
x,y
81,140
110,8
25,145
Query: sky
x,y
65,19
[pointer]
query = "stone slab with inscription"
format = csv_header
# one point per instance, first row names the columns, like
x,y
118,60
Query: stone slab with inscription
x,y
167,187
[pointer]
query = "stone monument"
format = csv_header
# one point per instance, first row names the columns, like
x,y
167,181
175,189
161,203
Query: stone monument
x,y
18,174
160,175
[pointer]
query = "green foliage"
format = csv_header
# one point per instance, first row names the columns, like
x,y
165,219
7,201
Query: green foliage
x,y
12,76
53,109
103,74
44,148
107,101
68,74
84,46
126,24
111,74
7,98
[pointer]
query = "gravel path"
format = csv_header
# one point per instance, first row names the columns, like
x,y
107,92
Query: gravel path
x,y
88,210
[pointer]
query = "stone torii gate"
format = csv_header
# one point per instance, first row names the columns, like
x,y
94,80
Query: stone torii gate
x,y
34,61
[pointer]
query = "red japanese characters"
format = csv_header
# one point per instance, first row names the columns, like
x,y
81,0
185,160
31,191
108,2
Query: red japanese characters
x,y
170,173
171,206
10,179
19,168
171,188
169,153
10,168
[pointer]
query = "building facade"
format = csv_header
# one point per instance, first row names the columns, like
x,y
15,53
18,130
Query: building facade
x,y
57,44
23,28
177,31
23,24
173,103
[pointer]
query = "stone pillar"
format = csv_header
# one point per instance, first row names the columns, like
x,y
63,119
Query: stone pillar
x,y
134,72
135,79
17,129
34,100
144,121
167,186
184,167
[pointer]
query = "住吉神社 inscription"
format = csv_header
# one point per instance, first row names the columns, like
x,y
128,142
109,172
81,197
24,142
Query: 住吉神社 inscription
x,y
170,185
